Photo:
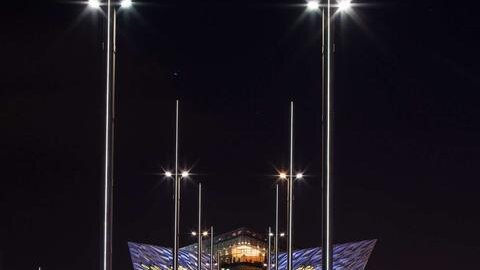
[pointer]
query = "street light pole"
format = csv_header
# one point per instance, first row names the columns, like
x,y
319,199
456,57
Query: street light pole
x,y
327,76
176,195
199,249
290,195
211,248
276,227
269,255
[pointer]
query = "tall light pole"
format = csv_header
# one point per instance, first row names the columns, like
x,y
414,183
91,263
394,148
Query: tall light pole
x,y
211,247
327,12
276,227
110,49
290,196
269,255
199,250
177,176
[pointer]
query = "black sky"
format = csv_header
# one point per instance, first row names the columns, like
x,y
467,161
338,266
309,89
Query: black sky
x,y
406,127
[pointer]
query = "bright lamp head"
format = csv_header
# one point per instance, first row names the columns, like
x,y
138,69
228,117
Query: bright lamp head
x,y
344,5
126,3
282,175
313,5
168,174
94,4
299,176
185,174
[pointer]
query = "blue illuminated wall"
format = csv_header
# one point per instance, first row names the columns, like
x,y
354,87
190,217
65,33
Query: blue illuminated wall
x,y
147,257
349,256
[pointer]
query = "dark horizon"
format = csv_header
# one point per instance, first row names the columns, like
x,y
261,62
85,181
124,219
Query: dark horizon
x,y
405,137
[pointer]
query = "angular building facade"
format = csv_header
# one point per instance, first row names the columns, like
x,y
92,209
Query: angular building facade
x,y
244,249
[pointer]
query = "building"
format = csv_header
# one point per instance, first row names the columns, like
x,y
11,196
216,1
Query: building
x,y
243,249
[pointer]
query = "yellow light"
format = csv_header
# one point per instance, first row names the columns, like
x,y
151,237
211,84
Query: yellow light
x,y
94,4
205,233
344,5
313,5
283,175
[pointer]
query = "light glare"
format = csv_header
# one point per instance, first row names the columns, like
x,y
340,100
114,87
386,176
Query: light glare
x,y
194,233
185,174
313,5
126,3
299,175
168,174
205,233
94,4
344,5
282,175
282,234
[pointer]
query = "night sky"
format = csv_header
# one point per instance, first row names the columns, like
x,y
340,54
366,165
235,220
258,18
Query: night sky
x,y
406,147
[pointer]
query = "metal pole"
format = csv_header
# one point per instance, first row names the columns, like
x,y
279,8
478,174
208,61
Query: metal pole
x,y
269,258
211,248
218,260
327,62
199,250
108,180
290,195
276,227
176,196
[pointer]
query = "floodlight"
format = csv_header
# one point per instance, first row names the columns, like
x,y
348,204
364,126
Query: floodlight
x,y
126,3
344,5
313,5
94,4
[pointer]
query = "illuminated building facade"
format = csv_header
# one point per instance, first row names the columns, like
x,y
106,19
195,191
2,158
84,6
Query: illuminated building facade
x,y
243,249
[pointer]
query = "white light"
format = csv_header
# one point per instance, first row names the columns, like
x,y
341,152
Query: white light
x,y
299,175
283,175
344,5
194,233
313,5
185,174
270,234
94,3
168,174
282,234
126,3
205,233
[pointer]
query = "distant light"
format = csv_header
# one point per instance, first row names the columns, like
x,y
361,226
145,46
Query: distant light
x,y
283,175
264,264
94,4
270,234
205,233
344,5
299,176
282,234
194,233
168,174
126,3
185,174
313,5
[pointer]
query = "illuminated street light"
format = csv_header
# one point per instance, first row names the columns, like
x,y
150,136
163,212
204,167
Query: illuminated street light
x,y
282,234
194,233
205,233
185,174
344,5
94,4
299,176
283,176
168,174
313,5
126,3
